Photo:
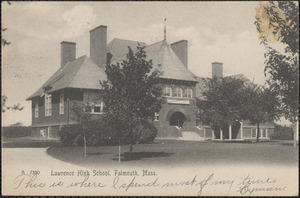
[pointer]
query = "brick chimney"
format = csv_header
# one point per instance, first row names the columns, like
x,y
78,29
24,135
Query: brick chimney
x,y
217,69
181,50
68,52
98,45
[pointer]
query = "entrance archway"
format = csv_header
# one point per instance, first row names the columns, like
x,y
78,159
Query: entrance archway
x,y
177,119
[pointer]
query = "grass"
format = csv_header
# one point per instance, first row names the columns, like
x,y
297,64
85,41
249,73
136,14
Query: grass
x,y
177,153
28,142
168,153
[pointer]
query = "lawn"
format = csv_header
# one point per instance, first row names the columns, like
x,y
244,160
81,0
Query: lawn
x,y
180,153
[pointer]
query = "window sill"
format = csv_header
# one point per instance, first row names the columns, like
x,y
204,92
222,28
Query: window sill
x,y
177,97
98,113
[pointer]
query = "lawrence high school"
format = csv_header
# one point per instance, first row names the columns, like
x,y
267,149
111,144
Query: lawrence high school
x,y
77,81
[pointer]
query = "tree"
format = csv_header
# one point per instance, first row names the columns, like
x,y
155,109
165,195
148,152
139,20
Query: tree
x,y
261,105
131,94
279,22
3,40
82,117
222,104
16,107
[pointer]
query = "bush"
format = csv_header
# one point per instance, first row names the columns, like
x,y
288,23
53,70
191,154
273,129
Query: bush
x,y
97,133
19,131
101,133
146,132
142,132
282,133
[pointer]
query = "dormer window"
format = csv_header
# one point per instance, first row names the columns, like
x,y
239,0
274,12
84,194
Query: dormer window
x,y
168,91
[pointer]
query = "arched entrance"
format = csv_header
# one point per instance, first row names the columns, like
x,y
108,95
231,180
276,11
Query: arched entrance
x,y
177,119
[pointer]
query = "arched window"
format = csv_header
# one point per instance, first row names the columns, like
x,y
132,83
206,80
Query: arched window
x,y
168,91
177,92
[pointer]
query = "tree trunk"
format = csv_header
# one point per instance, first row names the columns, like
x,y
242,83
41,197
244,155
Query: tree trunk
x,y
257,137
130,147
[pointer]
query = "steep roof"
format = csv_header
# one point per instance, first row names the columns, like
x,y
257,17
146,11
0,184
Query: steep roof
x,y
81,73
119,48
164,58
161,54
85,73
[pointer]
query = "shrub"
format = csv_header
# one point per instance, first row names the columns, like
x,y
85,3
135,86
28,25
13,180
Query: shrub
x,y
68,134
97,133
144,132
282,133
16,131
101,133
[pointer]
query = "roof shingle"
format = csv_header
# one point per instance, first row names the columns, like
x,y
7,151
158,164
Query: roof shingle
x,y
81,73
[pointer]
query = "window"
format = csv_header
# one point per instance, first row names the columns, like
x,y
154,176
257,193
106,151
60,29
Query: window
x,y
43,132
168,91
253,132
98,108
188,93
49,132
156,117
36,108
263,133
61,104
177,92
48,105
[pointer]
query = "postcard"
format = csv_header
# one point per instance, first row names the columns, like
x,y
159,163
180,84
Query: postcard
x,y
150,98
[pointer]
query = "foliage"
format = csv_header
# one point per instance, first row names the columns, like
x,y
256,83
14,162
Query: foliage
x,y
279,22
16,107
3,40
97,133
223,101
16,131
282,133
261,104
131,93
143,131
228,100
17,124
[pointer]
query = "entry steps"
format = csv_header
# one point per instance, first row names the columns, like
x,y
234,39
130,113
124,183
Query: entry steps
x,y
190,135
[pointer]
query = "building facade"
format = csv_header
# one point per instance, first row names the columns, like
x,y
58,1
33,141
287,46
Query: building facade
x,y
76,82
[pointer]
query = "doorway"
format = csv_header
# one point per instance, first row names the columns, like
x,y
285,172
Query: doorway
x,y
177,119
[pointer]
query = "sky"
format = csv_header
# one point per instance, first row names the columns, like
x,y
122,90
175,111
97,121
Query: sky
x,y
216,32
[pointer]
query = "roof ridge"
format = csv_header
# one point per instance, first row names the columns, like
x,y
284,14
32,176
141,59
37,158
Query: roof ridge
x,y
154,43
128,40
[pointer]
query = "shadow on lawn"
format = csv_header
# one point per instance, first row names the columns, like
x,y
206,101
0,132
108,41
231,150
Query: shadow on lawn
x,y
95,154
131,156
